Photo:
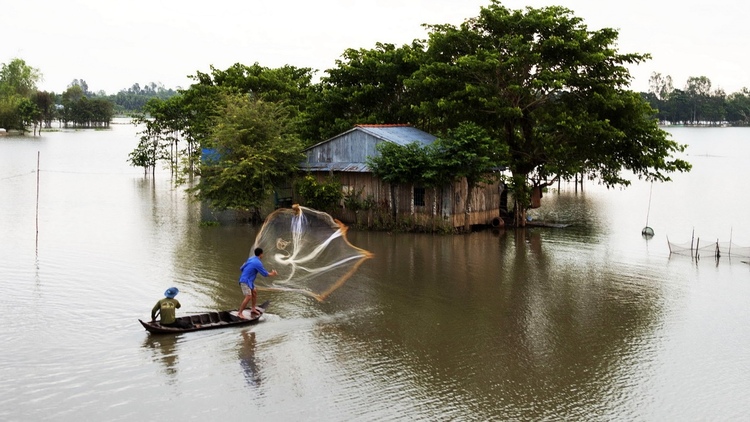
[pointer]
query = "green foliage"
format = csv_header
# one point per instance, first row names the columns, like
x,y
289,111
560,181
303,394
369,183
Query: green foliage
x,y
365,87
17,87
45,102
354,201
288,86
10,112
468,152
256,152
548,89
81,111
324,196
697,103
28,112
738,107
247,116
135,98
401,164
465,152
165,123
145,154
533,90
18,78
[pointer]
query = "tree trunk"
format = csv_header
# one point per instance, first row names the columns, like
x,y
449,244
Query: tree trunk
x,y
520,214
521,199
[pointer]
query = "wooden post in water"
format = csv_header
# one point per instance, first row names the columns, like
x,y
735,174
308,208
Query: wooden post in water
x,y
669,245
581,181
38,153
730,240
692,242
697,245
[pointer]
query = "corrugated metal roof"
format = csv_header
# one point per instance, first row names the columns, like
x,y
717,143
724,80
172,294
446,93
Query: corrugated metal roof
x,y
399,134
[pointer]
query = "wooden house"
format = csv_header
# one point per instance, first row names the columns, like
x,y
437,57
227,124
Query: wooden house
x,y
344,157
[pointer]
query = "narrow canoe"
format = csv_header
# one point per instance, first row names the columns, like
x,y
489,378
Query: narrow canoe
x,y
208,321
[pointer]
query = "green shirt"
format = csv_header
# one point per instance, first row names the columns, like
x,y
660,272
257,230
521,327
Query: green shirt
x,y
166,308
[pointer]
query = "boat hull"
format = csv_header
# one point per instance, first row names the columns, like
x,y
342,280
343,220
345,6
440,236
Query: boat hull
x,y
207,321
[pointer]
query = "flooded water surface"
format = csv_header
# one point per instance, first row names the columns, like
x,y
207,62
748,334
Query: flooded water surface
x,y
587,322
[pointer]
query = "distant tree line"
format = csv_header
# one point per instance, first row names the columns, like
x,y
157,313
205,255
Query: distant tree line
x,y
23,106
80,110
134,98
697,103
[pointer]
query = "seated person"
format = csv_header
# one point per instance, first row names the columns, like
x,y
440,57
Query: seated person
x,y
166,309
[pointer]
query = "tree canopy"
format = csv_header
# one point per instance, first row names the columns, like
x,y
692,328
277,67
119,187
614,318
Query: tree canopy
x,y
18,78
366,86
252,150
17,88
246,119
533,90
552,91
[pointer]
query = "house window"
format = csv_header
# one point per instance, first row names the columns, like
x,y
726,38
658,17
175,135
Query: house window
x,y
418,197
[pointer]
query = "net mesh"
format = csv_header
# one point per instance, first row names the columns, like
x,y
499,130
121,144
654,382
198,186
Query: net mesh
x,y
715,248
310,251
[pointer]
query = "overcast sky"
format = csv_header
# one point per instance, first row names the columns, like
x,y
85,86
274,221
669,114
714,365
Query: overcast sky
x,y
112,45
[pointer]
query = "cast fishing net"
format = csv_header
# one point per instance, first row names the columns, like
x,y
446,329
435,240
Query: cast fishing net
x,y
310,251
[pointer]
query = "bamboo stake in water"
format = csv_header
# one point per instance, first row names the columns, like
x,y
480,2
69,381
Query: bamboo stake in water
x,y
37,200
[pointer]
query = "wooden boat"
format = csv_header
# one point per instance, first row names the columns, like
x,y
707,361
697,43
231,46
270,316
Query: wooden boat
x,y
208,321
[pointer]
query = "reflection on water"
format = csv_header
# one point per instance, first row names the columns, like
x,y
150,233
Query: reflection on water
x,y
586,322
248,360
538,325
164,350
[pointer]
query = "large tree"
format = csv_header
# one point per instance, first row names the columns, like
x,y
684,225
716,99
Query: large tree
x,y
82,111
366,86
698,90
552,91
192,114
252,151
660,86
738,107
17,86
18,78
165,125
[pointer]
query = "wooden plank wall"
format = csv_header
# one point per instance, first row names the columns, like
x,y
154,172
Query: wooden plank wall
x,y
444,206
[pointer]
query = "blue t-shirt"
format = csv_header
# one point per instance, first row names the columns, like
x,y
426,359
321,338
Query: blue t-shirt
x,y
250,270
